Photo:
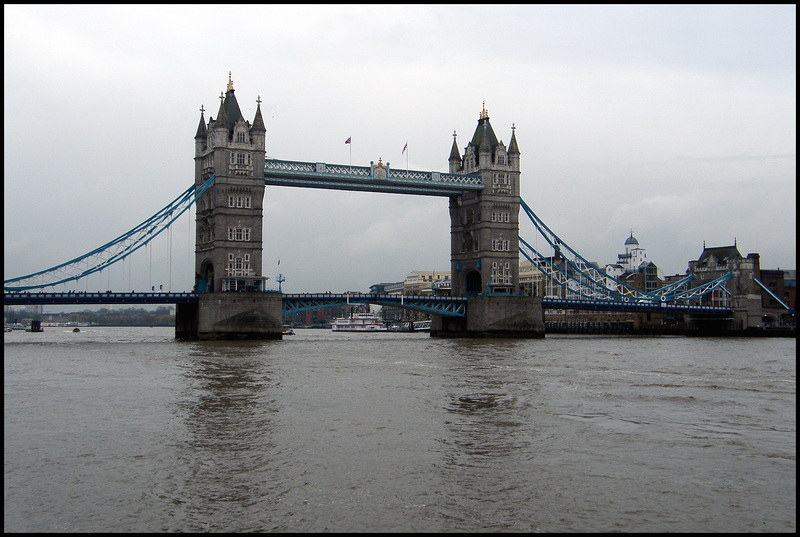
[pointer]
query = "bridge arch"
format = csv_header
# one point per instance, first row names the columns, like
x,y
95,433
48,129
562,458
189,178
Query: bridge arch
x,y
472,283
205,280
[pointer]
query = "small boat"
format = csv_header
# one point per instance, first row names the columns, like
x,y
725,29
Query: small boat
x,y
76,329
359,322
288,331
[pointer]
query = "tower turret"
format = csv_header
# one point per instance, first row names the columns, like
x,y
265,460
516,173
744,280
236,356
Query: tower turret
x,y
201,136
455,157
258,130
513,150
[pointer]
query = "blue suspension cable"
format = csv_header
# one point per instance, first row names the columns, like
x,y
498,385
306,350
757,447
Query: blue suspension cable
x,y
128,242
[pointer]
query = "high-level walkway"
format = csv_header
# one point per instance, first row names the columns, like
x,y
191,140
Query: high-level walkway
x,y
375,178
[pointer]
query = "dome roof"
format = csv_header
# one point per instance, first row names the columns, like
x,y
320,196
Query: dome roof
x,y
631,241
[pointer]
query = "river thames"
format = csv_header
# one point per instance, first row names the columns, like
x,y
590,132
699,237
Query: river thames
x,y
128,430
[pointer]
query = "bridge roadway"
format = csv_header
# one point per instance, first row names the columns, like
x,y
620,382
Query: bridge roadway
x,y
437,305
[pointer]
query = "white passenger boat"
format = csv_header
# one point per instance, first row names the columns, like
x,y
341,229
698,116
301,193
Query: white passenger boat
x,y
359,322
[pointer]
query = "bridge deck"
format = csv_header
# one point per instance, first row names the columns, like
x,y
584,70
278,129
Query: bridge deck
x,y
10,299
614,305
362,178
437,305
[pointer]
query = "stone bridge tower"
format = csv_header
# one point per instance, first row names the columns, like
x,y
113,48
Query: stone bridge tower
x,y
484,243
484,226
233,303
228,241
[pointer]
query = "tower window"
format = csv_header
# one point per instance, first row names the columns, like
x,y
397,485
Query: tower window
x,y
240,202
501,274
501,183
240,137
501,216
501,245
238,234
238,265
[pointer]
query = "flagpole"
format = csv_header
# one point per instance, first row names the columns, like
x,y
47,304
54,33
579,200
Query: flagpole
x,y
405,150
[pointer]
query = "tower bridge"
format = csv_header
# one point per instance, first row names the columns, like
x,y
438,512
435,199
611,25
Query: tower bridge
x,y
230,300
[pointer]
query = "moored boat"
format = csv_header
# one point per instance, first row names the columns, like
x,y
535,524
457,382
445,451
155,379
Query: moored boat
x,y
359,322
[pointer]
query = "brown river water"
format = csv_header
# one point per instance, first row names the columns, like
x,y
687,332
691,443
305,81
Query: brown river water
x,y
128,430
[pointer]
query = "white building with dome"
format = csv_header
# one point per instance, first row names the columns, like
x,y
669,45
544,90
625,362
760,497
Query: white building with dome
x,y
633,268
629,261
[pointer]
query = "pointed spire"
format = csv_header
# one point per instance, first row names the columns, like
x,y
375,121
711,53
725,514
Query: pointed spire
x,y
232,111
485,144
258,121
513,148
201,128
454,154
222,118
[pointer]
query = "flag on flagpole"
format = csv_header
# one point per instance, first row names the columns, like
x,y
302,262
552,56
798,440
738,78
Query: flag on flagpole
x,y
404,148
348,140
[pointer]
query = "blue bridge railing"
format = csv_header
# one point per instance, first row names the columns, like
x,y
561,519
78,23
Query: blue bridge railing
x,y
436,305
375,178
108,297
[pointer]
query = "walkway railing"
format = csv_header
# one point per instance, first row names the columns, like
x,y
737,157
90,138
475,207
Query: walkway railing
x,y
20,298
437,305
375,178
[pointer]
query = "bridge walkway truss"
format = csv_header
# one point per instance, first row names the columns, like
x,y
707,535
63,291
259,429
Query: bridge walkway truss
x,y
368,178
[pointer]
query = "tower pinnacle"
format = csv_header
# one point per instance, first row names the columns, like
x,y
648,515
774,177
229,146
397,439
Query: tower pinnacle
x,y
484,113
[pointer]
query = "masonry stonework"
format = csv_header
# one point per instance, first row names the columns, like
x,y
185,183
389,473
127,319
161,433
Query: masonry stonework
x,y
233,303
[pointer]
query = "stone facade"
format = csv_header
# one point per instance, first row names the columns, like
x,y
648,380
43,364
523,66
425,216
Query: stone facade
x,y
484,226
240,316
233,303
228,242
495,317
745,298
484,249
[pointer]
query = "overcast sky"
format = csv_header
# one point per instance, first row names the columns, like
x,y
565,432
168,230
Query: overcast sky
x,y
675,122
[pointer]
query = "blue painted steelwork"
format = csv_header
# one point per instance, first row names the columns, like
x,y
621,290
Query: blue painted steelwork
x,y
437,305
111,252
642,305
43,299
593,283
361,178
445,306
